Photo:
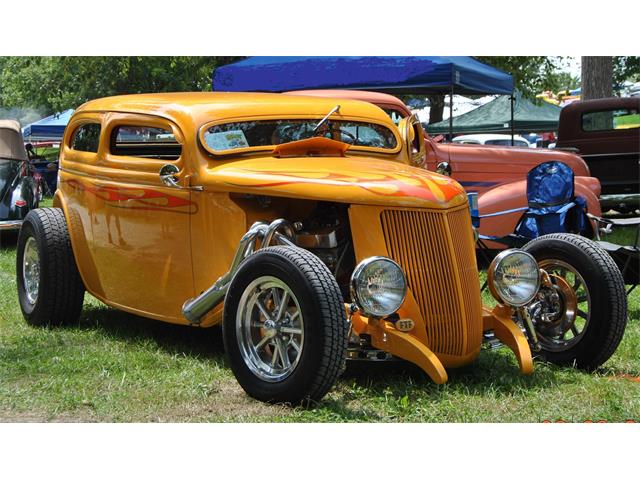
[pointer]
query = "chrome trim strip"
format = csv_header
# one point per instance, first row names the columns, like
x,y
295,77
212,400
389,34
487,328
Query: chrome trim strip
x,y
10,224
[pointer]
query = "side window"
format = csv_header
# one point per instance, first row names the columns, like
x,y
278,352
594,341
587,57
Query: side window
x,y
610,120
86,138
145,142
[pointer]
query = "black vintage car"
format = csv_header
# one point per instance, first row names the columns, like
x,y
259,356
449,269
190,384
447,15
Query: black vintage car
x,y
17,185
606,134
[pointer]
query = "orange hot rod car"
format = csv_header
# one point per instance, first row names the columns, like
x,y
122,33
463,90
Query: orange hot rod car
x,y
298,225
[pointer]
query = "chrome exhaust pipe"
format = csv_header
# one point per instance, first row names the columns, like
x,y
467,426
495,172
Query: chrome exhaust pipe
x,y
196,308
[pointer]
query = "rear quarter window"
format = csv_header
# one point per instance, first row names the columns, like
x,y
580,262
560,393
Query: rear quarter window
x,y
86,138
145,142
606,120
507,143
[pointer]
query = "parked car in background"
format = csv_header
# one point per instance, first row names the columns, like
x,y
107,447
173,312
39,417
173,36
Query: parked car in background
x,y
393,106
498,174
299,226
43,157
492,139
18,190
606,134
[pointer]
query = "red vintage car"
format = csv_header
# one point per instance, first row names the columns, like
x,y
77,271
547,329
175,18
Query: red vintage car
x,y
498,174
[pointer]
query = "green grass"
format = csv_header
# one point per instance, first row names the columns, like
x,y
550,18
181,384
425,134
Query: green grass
x,y
112,366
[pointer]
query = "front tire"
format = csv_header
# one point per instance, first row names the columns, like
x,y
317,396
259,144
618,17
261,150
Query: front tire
x,y
50,289
285,326
591,301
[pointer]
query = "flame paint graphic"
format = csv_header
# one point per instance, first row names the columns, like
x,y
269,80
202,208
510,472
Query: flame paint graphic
x,y
398,184
137,198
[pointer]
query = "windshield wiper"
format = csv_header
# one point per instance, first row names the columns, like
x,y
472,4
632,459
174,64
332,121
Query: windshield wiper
x,y
326,117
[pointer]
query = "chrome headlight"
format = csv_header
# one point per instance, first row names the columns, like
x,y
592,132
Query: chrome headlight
x,y
514,277
378,286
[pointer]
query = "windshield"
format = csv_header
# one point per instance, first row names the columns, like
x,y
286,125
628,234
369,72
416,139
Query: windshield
x,y
264,133
507,143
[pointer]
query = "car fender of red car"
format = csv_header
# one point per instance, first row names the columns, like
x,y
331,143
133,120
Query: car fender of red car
x,y
510,196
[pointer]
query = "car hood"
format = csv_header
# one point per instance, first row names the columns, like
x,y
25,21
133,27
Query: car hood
x,y
497,158
358,180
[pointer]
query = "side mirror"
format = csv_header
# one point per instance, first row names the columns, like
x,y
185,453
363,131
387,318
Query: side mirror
x,y
169,175
444,168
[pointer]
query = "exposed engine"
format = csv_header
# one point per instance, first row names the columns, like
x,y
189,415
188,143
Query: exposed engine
x,y
326,233
320,227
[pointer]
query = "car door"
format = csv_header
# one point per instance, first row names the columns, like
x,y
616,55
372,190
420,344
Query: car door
x,y
140,236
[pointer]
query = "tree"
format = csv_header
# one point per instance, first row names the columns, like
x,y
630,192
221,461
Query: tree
x,y
597,77
58,83
436,108
531,75
626,69
559,81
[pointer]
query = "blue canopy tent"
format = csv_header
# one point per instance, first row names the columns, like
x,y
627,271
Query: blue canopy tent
x,y
48,128
395,75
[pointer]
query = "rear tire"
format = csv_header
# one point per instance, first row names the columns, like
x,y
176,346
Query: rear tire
x,y
50,289
600,295
309,328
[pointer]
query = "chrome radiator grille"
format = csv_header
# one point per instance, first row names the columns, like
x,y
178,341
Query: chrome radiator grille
x,y
437,252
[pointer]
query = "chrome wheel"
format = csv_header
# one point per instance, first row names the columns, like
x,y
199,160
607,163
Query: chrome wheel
x,y
567,307
31,270
270,329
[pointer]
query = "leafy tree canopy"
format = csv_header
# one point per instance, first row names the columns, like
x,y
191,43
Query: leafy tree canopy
x,y
626,69
58,83
533,75
53,84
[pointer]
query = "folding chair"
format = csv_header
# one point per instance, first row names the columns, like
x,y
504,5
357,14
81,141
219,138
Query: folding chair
x,y
552,207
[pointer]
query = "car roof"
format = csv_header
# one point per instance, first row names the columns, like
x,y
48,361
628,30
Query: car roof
x,y
11,141
363,95
602,104
201,107
11,125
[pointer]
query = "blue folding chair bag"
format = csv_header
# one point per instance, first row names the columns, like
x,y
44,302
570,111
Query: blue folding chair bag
x,y
553,208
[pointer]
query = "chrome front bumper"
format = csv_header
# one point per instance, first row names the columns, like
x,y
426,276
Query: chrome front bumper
x,y
10,225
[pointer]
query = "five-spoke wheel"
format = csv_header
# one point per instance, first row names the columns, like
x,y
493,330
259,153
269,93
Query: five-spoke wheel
x,y
31,270
285,326
50,289
568,304
584,311
270,328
